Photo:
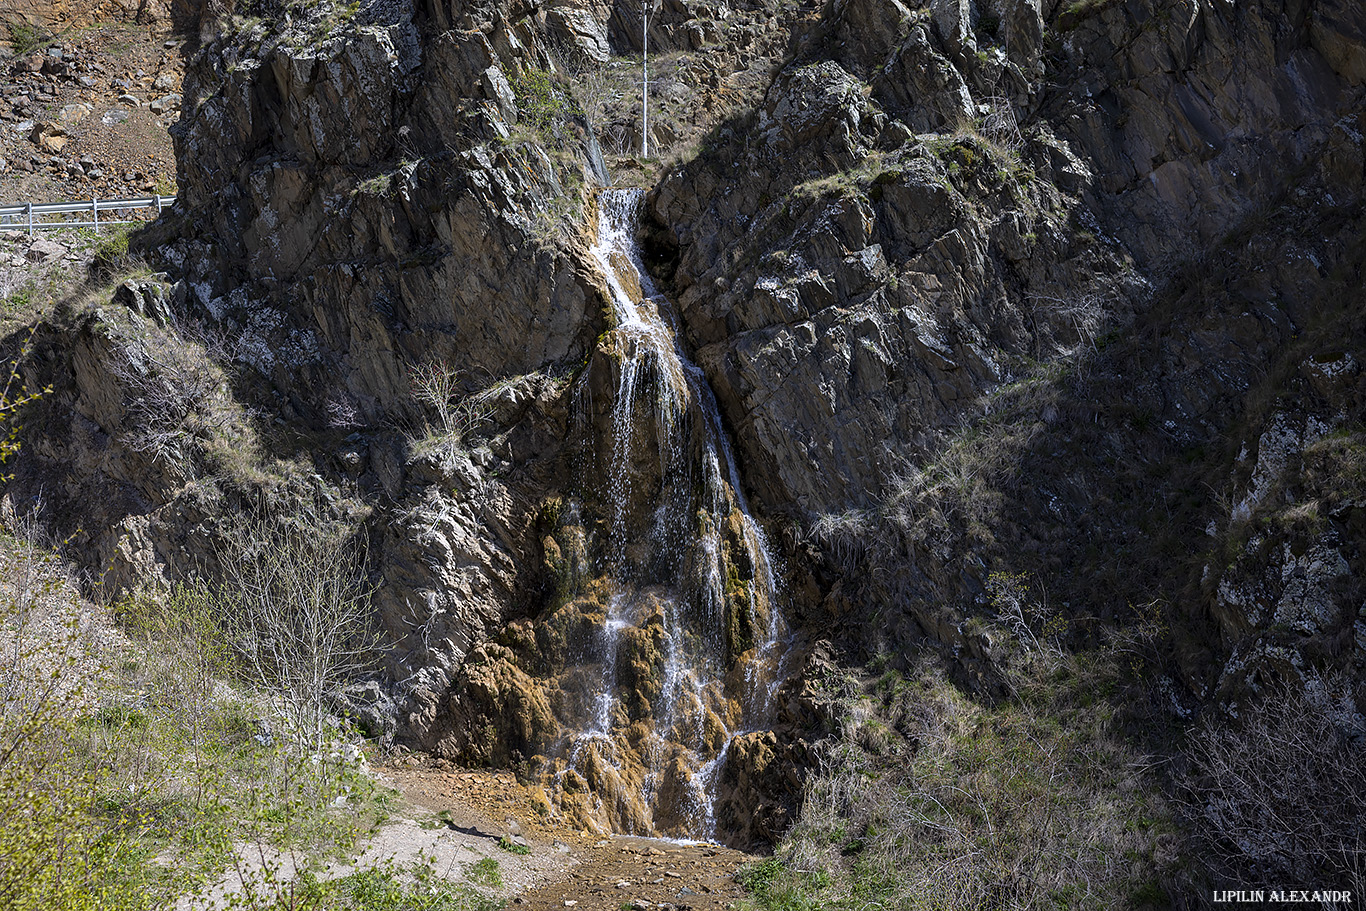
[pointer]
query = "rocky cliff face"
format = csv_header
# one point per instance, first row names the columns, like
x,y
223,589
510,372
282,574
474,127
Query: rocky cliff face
x,y
1070,290
362,199
367,196
900,268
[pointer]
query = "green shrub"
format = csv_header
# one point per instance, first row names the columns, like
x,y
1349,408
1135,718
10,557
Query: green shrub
x,y
486,873
541,103
507,844
112,248
928,800
24,37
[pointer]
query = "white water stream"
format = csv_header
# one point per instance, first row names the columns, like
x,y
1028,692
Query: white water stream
x,y
702,537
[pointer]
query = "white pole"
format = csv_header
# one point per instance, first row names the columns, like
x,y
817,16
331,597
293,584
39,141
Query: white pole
x,y
95,212
644,78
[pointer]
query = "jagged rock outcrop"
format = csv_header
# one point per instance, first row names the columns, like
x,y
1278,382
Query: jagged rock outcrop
x,y
873,277
1192,113
357,205
363,195
879,299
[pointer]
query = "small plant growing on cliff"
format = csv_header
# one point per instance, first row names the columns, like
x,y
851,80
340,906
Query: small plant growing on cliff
x,y
14,395
440,388
512,847
24,37
174,391
542,104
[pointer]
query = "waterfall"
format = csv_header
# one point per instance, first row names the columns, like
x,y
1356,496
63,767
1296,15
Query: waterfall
x,y
685,556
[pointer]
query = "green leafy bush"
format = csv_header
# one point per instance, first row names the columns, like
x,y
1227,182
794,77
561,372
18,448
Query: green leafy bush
x,y
541,104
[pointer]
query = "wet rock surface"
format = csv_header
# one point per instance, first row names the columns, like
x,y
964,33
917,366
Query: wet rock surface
x,y
567,867
644,876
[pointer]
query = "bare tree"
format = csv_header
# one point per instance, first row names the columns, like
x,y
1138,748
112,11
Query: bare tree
x,y
440,387
172,389
1085,312
296,606
999,124
1281,794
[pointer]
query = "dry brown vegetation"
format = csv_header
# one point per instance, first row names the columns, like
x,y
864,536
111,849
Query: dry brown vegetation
x,y
1280,796
928,799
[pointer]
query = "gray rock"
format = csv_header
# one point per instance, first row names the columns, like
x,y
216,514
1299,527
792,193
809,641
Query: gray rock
x,y
165,103
44,250
1338,33
74,114
953,22
581,30
922,87
148,298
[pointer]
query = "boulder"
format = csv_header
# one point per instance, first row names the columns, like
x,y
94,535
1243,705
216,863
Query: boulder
x,y
43,250
149,298
954,21
165,103
72,114
579,29
48,136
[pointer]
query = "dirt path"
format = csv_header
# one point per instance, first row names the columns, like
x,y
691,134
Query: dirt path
x,y
565,868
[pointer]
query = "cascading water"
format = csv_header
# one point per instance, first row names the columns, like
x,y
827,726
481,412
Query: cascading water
x,y
697,571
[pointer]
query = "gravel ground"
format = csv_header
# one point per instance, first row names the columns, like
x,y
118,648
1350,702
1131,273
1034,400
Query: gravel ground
x,y
567,868
86,114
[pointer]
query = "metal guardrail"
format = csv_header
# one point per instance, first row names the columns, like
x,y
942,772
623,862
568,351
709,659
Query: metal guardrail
x,y
31,215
